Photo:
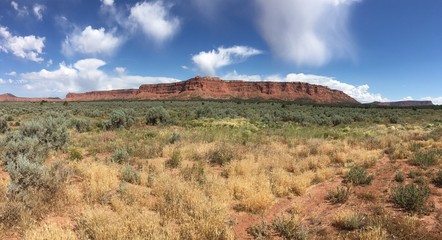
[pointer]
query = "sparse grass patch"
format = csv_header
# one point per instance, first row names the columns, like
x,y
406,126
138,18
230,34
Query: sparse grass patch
x,y
339,195
130,175
221,155
260,231
75,154
49,231
289,227
174,161
424,159
350,220
120,156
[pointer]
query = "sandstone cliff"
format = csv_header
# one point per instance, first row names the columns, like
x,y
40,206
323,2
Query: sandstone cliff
x,y
215,88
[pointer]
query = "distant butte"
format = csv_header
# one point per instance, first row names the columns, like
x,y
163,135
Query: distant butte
x,y
212,88
411,103
7,97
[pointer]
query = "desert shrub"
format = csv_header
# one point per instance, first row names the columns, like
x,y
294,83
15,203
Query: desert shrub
x,y
195,173
81,125
339,195
350,220
75,154
399,177
130,175
174,161
157,115
359,176
411,197
424,159
120,155
290,228
51,132
436,134
414,174
174,138
260,231
13,214
437,180
221,155
15,144
3,125
394,119
120,118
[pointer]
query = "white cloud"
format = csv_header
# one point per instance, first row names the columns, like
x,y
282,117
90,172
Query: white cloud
x,y
2,81
209,62
84,75
21,11
435,100
91,41
306,32
49,63
28,47
108,2
38,11
155,20
120,70
12,74
360,93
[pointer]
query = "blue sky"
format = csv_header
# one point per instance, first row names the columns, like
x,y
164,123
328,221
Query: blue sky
x,y
374,50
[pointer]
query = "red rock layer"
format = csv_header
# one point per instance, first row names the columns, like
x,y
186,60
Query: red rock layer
x,y
7,97
215,88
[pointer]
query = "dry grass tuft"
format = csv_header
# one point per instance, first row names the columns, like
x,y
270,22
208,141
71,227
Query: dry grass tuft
x,y
49,231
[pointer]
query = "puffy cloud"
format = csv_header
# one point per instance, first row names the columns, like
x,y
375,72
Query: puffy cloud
x,y
435,100
108,2
120,70
360,93
209,62
155,20
38,11
28,47
91,41
21,11
12,74
306,32
84,75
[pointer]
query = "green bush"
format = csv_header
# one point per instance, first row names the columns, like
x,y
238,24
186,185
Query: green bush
x,y
260,231
51,132
195,173
399,177
437,180
340,195
120,156
120,118
350,221
174,161
359,176
424,159
411,197
3,125
157,115
220,156
81,125
130,175
174,138
75,154
15,144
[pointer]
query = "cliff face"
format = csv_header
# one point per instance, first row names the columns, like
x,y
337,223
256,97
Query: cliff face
x,y
215,88
7,97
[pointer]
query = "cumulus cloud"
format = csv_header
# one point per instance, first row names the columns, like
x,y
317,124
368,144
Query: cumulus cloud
x,y
38,11
155,20
91,41
84,75
12,74
209,62
21,11
305,32
27,47
360,93
108,2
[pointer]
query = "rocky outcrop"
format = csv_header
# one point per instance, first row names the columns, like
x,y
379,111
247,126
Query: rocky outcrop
x,y
404,104
7,97
215,88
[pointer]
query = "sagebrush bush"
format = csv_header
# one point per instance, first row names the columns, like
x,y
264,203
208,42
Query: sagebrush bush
x,y
411,197
3,125
130,175
81,125
221,155
359,176
157,115
120,118
15,144
51,132
120,156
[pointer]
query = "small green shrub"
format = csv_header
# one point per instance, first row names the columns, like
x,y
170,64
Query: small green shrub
x,y
289,227
120,118
81,125
350,221
174,138
414,174
75,154
15,144
195,173
3,125
120,156
359,176
260,231
130,175
399,177
157,115
411,197
424,159
220,156
339,195
437,180
174,161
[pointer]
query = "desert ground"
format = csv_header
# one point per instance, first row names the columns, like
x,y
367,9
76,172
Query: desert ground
x,y
219,170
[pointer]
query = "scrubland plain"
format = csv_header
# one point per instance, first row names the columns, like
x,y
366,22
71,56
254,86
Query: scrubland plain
x,y
219,170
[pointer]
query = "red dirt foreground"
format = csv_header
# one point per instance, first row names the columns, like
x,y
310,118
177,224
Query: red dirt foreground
x,y
215,88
